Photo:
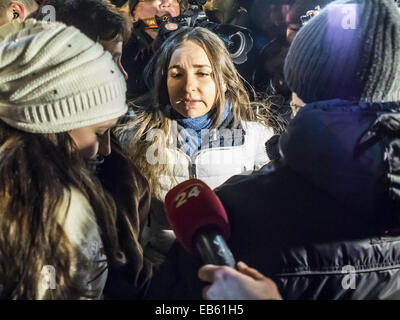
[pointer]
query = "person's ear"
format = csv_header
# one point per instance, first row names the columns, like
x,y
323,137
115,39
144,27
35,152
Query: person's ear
x,y
18,10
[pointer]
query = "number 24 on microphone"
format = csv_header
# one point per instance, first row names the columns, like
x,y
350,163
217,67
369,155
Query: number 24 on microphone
x,y
191,192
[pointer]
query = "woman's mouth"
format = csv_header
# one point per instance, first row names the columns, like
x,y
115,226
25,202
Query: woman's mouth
x,y
189,102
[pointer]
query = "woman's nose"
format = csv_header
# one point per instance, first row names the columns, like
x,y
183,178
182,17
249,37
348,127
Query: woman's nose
x,y
105,145
121,68
123,71
190,83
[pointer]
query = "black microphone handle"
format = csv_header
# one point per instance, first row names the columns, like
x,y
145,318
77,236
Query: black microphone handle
x,y
213,249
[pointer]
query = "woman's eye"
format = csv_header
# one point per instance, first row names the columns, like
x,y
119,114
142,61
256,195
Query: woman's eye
x,y
175,75
204,73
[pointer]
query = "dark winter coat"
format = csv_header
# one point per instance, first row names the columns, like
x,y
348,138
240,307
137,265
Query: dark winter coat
x,y
323,222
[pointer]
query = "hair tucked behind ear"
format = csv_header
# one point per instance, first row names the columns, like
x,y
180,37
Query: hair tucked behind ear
x,y
36,174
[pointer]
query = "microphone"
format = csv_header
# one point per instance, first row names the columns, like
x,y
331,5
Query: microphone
x,y
199,221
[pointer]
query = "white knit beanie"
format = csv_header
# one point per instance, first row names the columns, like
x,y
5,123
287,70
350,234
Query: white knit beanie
x,y
54,79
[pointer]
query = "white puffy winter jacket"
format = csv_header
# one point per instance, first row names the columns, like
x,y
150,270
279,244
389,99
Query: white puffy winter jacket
x,y
216,165
213,166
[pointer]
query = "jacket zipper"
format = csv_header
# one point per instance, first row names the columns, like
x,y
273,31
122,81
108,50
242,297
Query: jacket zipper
x,y
192,165
193,174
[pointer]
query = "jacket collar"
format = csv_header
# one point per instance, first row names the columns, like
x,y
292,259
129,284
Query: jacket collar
x,y
346,148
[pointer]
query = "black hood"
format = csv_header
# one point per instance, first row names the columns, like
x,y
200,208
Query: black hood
x,y
349,149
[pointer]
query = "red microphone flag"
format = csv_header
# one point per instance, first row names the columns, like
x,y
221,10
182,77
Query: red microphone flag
x,y
191,206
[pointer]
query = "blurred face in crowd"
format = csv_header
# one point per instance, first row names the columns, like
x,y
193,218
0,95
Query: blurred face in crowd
x,y
114,47
151,8
291,31
5,17
93,141
190,81
222,11
293,16
296,103
16,10
269,18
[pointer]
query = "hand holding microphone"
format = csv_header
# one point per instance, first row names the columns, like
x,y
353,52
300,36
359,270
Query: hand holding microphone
x,y
245,283
199,221
201,226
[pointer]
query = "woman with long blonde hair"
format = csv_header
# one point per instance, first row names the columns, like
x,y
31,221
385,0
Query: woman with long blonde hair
x,y
196,122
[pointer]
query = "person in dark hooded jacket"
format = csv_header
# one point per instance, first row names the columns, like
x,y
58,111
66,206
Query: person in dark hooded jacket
x,y
323,221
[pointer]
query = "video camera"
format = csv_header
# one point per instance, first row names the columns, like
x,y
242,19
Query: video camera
x,y
237,39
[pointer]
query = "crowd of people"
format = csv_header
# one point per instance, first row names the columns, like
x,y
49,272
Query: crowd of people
x,y
108,105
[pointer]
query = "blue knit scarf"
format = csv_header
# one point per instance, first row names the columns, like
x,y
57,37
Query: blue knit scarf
x,y
191,140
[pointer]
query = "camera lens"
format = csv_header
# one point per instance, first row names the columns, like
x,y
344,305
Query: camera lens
x,y
236,44
239,44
